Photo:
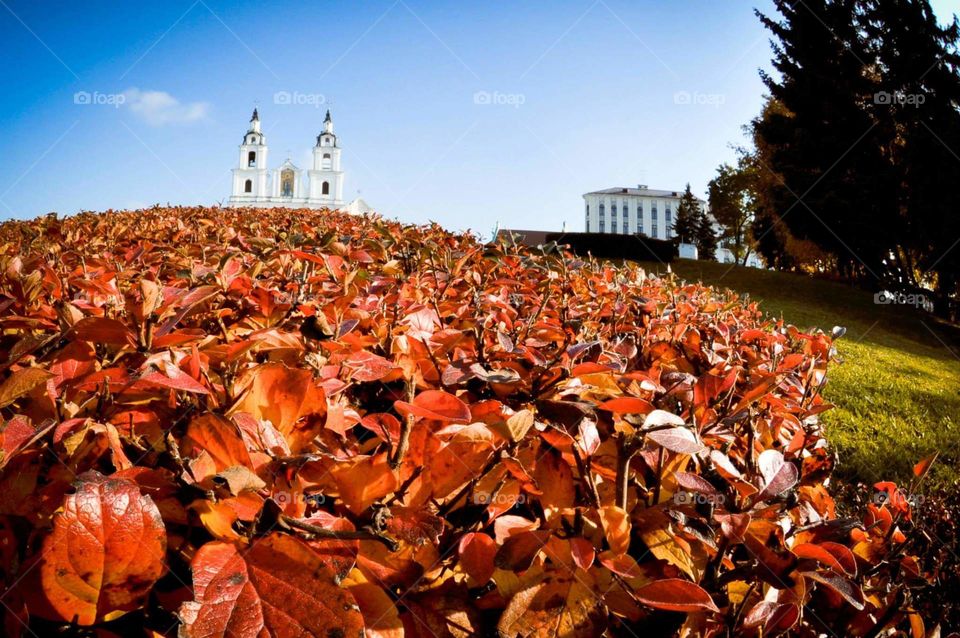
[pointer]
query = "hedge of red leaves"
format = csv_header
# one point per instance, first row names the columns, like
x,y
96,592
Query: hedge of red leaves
x,y
278,423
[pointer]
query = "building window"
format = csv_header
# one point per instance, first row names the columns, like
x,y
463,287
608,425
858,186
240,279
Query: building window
x,y
601,224
248,186
668,219
327,162
613,223
625,212
602,215
252,158
326,188
654,228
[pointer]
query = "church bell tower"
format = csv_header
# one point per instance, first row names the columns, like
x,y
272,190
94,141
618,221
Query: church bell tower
x,y
250,176
326,178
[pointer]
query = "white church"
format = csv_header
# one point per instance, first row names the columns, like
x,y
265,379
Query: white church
x,y
255,185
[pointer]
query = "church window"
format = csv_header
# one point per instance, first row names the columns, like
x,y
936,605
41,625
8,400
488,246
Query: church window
x,y
252,158
327,162
326,188
248,186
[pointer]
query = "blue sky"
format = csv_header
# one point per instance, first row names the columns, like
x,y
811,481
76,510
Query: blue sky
x,y
459,112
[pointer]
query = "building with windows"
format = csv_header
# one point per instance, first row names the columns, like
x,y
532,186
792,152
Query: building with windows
x,y
632,211
256,185
644,211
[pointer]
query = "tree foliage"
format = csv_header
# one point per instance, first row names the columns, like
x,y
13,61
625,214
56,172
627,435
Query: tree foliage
x,y
732,206
865,103
270,422
687,216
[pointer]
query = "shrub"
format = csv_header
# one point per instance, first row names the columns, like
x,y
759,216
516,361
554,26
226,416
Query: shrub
x,y
274,422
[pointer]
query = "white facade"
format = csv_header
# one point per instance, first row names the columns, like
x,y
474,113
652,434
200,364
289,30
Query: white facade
x,y
254,185
645,211
632,211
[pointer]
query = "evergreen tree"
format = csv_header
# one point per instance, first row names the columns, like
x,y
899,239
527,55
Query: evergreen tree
x,y
706,236
686,220
916,108
824,144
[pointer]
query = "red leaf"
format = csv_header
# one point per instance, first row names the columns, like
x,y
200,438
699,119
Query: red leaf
x,y
519,551
177,380
778,474
837,557
436,405
279,587
583,552
103,330
845,588
627,405
365,366
622,564
680,440
477,552
676,594
774,617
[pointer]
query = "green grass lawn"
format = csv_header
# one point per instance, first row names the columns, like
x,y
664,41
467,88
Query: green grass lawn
x,y
897,390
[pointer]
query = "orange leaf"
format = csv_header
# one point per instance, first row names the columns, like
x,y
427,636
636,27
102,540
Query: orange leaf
x,y
676,594
436,405
616,527
363,480
20,383
217,437
921,468
105,553
279,587
288,398
477,552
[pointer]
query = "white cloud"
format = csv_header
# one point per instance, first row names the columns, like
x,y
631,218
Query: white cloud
x,y
158,108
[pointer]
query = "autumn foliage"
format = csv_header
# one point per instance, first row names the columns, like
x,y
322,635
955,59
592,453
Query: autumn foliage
x,y
282,423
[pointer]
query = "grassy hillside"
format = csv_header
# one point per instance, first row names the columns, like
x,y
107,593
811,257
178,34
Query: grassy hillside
x,y
897,391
